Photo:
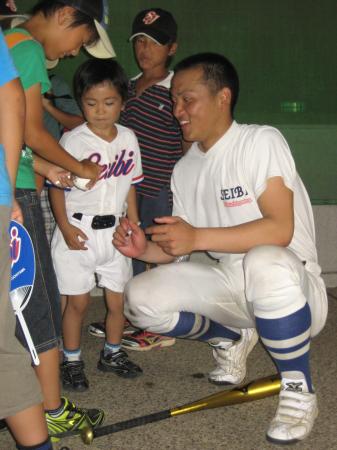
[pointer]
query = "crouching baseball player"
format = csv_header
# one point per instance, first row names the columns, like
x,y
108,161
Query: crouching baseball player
x,y
237,196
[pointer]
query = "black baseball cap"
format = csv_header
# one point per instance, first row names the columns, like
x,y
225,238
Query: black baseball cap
x,y
157,24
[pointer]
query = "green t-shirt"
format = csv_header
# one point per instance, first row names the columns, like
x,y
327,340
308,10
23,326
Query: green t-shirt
x,y
29,60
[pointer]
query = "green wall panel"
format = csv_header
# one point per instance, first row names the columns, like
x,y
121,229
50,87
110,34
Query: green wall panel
x,y
284,52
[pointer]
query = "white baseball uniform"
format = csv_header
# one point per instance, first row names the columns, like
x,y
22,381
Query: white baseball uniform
x,y
121,161
220,188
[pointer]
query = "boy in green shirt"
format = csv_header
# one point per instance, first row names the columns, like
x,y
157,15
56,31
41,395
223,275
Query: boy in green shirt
x,y
54,30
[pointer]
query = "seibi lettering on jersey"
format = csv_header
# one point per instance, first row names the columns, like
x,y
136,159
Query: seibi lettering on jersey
x,y
123,164
235,196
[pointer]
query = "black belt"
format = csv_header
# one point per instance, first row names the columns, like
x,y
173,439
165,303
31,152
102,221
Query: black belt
x,y
99,222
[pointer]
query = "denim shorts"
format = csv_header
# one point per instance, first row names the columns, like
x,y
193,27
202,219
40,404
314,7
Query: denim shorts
x,y
43,311
19,386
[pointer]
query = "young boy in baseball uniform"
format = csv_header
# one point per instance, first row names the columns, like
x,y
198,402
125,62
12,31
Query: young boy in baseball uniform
x,y
86,219
237,195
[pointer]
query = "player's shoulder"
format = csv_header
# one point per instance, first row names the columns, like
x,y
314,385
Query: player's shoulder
x,y
256,132
75,133
125,132
260,141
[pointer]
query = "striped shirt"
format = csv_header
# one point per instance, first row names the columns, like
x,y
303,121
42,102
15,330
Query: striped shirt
x,y
150,116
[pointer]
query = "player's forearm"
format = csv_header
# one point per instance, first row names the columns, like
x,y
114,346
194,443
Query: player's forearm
x,y
154,254
12,114
44,145
244,237
58,205
132,211
41,166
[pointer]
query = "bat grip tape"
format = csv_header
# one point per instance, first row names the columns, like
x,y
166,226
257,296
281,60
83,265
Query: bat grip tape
x,y
126,424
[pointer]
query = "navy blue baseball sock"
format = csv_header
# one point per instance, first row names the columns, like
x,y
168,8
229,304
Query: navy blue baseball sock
x,y
195,326
46,445
58,411
287,340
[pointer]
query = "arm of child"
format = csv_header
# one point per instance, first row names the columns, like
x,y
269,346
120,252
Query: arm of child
x,y
12,114
43,143
66,119
132,211
74,237
56,175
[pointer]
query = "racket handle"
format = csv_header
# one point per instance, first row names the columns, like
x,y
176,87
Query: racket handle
x,y
28,337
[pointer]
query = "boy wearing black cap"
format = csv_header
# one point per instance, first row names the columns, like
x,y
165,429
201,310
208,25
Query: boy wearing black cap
x,y
54,30
148,112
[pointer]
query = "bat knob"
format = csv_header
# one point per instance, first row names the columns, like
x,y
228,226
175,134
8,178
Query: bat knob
x,y
87,435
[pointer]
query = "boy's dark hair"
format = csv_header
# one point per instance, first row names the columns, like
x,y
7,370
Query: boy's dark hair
x,y
49,7
218,72
96,71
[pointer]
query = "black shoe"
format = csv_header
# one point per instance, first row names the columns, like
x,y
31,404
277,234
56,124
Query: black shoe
x,y
97,329
3,426
73,376
119,364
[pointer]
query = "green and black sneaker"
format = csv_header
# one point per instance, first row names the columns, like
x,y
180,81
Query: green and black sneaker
x,y
72,418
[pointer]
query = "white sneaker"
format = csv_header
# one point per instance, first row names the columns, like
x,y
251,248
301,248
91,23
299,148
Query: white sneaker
x,y
231,358
295,414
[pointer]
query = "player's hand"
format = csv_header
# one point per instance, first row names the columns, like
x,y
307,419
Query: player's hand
x,y
75,238
129,239
59,177
173,235
16,212
11,5
90,170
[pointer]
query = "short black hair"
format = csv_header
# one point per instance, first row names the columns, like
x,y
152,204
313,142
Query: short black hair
x,y
49,7
218,72
96,71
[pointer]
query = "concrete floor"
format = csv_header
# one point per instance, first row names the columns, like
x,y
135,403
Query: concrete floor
x,y
178,375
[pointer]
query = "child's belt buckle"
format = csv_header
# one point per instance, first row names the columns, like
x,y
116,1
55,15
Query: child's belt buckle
x,y
101,222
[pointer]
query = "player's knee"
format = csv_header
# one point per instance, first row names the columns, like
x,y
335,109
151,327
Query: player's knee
x,y
137,301
263,258
273,280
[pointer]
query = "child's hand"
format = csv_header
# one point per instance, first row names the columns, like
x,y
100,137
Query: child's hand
x,y
16,212
90,170
129,239
74,237
59,177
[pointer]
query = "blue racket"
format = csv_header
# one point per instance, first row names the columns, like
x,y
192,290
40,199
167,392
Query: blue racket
x,y
22,277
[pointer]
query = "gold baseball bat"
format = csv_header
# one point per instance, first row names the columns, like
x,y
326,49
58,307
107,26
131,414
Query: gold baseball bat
x,y
255,390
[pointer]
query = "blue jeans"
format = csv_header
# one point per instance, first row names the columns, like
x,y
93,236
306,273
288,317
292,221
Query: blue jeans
x,y
148,209
43,311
